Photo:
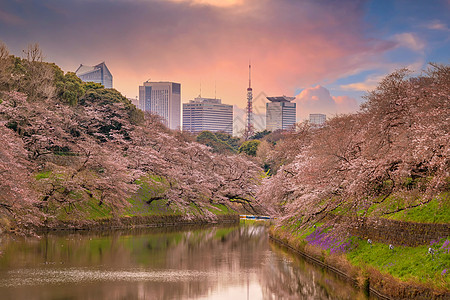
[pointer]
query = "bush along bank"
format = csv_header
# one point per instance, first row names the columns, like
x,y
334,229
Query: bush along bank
x,y
380,268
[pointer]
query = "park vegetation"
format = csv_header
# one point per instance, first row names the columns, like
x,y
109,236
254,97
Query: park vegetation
x,y
390,160
390,157
75,150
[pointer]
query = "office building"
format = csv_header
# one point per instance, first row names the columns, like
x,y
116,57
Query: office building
x,y
280,113
134,101
317,119
99,74
164,99
207,114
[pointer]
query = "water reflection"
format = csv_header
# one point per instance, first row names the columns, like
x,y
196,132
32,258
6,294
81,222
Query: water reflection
x,y
195,263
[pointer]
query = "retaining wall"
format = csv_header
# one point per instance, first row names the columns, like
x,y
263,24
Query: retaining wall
x,y
398,232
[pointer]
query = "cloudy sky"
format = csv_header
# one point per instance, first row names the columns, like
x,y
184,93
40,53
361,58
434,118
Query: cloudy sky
x,y
327,53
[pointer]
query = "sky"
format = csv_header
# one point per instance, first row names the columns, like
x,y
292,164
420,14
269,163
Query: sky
x,y
327,53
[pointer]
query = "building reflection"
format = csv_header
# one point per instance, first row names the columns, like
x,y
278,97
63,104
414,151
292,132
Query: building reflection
x,y
195,263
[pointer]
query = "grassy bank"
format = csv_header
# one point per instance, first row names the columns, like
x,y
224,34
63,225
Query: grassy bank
x,y
148,206
401,272
435,211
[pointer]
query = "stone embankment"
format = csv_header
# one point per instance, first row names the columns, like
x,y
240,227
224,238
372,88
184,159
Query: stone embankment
x,y
399,232
134,222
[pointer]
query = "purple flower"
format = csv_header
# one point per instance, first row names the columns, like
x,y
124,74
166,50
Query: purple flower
x,y
446,246
327,242
444,272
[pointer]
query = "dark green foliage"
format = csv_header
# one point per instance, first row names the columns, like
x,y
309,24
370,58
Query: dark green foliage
x,y
57,73
69,87
259,135
93,86
249,147
234,142
210,139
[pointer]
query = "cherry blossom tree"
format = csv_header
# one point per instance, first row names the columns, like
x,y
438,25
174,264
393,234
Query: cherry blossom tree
x,y
91,145
397,145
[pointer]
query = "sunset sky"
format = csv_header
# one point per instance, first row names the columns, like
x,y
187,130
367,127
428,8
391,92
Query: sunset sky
x,y
326,53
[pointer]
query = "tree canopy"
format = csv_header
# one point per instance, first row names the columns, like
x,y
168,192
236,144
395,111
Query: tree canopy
x,y
249,147
397,147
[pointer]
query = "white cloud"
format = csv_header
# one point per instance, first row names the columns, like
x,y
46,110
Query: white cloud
x,y
437,25
368,85
319,100
371,82
409,40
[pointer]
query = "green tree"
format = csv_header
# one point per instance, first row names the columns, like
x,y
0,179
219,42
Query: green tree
x,y
92,86
250,147
69,87
234,142
210,139
260,134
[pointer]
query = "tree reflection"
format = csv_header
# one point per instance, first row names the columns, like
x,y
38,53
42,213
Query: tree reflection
x,y
158,264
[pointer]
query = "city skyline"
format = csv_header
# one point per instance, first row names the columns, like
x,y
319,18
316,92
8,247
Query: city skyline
x,y
326,54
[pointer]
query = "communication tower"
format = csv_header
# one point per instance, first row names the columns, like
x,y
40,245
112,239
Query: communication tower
x,y
249,125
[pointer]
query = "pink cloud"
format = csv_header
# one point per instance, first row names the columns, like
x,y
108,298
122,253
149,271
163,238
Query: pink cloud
x,y
319,100
345,104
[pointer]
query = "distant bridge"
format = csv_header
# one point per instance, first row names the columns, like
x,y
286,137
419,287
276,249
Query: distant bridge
x,y
253,217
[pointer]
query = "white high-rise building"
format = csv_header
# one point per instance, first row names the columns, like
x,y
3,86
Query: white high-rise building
x,y
317,119
207,114
164,99
280,113
98,73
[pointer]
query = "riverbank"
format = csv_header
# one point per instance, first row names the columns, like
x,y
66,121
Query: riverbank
x,y
127,222
139,213
399,273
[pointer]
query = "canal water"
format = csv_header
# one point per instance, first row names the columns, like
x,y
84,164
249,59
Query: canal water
x,y
233,262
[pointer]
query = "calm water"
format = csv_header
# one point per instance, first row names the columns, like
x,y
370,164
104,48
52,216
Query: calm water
x,y
235,263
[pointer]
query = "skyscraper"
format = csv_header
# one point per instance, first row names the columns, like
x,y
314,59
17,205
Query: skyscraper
x,y
98,73
280,113
164,99
207,114
317,119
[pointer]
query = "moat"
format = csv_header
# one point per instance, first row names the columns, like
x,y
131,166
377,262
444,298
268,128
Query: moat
x,y
232,262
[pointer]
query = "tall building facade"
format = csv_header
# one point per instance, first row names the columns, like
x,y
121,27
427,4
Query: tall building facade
x,y
164,99
98,73
207,114
317,119
280,113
